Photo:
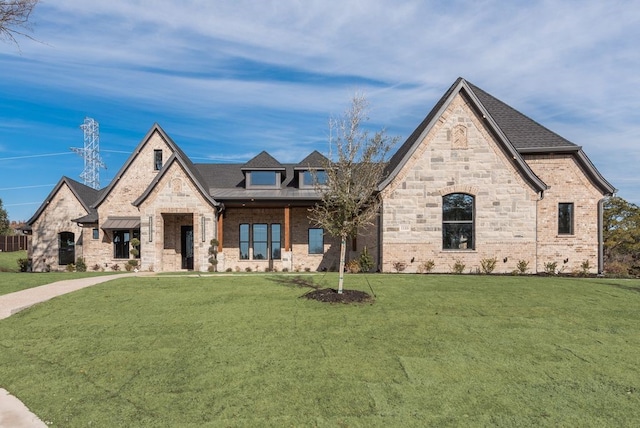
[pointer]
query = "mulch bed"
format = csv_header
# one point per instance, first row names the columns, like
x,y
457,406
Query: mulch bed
x,y
330,295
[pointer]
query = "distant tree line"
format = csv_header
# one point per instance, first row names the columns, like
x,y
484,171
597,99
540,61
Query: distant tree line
x,y
621,235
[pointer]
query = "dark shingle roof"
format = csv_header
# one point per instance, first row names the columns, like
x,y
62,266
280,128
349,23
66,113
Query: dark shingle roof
x,y
523,132
86,196
314,160
263,161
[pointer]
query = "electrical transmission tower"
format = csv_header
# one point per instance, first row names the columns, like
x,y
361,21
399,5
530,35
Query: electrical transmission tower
x,y
90,153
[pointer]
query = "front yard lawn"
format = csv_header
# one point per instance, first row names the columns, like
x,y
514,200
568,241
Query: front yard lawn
x,y
244,350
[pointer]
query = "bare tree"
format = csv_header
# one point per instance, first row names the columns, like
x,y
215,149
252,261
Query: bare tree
x,y
14,15
350,197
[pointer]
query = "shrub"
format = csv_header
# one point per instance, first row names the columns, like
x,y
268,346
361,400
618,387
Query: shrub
x,y
285,269
81,266
522,267
23,264
365,261
617,269
96,267
426,266
307,269
115,267
458,267
247,269
131,265
135,247
229,270
70,267
550,268
584,268
399,266
353,266
488,265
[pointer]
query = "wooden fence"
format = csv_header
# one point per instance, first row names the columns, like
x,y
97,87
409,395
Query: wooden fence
x,y
14,243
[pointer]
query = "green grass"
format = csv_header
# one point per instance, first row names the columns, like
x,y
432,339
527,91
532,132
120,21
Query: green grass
x,y
433,350
12,280
9,260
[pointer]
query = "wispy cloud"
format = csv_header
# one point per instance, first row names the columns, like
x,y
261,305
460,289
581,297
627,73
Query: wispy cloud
x,y
228,79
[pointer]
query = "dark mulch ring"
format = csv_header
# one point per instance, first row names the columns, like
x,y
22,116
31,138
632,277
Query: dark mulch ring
x,y
330,295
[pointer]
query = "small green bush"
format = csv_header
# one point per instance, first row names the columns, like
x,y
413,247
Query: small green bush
x,y
488,265
522,267
458,267
365,261
71,267
81,266
550,268
23,264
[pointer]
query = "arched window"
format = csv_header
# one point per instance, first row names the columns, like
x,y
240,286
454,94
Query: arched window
x,y
457,222
66,248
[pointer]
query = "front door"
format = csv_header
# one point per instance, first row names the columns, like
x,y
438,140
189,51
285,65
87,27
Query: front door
x,y
186,240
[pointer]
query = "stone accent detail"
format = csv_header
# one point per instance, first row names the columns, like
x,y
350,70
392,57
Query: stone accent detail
x,y
56,218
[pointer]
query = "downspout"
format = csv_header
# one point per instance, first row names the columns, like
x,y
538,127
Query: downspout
x,y
601,235
380,211
537,227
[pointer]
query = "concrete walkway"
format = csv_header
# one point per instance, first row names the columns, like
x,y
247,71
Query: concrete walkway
x,y
13,413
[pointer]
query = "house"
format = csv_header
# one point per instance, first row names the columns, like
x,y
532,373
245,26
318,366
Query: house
x,y
475,180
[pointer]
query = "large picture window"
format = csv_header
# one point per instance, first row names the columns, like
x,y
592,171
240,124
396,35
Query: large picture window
x,y
66,248
565,219
457,222
258,237
316,241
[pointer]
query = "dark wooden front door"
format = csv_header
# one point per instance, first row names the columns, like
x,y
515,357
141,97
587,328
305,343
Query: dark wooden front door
x,y
186,241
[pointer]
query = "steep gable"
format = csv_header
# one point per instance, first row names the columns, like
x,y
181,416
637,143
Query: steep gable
x,y
141,170
85,195
462,88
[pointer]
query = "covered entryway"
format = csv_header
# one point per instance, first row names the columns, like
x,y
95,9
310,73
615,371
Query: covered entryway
x,y
178,242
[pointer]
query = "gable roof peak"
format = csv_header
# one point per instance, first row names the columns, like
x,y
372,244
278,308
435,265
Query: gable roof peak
x,y
262,161
314,160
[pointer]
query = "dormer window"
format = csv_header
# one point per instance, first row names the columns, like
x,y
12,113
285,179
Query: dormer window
x,y
263,172
308,179
157,160
263,179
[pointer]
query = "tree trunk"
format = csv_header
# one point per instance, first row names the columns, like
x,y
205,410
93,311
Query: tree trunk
x,y
343,250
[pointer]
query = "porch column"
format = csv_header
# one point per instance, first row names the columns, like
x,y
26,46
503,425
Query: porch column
x,y
220,231
287,237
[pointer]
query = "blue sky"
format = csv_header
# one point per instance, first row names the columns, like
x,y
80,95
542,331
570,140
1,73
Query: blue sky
x,y
228,79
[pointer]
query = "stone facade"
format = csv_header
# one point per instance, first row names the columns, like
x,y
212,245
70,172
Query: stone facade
x,y
513,174
458,155
60,210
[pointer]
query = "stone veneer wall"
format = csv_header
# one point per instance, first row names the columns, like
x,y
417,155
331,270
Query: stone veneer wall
x,y
458,155
175,202
54,219
567,183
